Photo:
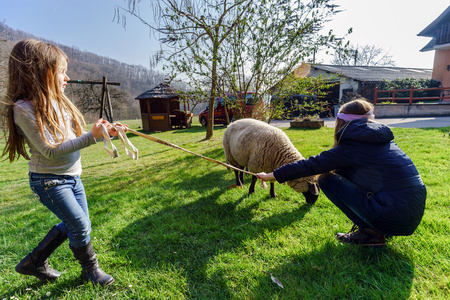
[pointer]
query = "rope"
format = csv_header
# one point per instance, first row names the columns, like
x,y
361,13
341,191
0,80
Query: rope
x,y
113,152
122,136
157,140
107,139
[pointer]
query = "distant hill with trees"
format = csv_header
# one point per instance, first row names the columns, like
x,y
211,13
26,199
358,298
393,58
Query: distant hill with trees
x,y
87,66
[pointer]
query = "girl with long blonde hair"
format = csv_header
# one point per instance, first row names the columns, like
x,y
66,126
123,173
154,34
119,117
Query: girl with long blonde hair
x,y
37,113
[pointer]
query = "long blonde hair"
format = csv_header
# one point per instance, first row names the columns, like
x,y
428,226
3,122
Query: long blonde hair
x,y
32,76
356,107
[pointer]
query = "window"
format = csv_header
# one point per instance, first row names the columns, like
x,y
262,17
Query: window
x,y
158,106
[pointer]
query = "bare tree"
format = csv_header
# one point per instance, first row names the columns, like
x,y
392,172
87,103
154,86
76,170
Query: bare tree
x,y
193,30
238,44
366,55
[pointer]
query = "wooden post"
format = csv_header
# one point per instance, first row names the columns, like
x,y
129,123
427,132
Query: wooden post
x,y
108,101
411,95
93,82
105,92
376,95
393,95
102,101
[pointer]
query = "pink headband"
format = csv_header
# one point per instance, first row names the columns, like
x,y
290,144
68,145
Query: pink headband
x,y
349,117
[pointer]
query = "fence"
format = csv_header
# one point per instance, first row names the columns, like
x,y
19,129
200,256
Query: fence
x,y
438,95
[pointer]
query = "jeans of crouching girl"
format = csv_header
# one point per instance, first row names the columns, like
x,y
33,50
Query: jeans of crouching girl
x,y
396,212
349,198
66,198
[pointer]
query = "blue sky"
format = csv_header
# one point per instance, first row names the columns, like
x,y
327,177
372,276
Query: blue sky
x,y
88,25
85,24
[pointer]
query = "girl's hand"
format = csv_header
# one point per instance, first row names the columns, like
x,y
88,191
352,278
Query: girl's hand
x,y
112,131
266,177
97,129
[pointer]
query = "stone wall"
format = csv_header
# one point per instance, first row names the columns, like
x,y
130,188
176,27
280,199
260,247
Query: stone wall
x,y
411,110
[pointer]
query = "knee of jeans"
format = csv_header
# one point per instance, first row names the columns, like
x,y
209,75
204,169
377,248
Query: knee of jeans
x,y
82,229
79,238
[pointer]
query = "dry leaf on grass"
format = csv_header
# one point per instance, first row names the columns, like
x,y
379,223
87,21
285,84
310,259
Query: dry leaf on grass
x,y
274,279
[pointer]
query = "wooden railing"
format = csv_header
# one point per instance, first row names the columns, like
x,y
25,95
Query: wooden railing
x,y
444,95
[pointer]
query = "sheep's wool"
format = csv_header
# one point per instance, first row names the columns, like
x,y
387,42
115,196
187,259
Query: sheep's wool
x,y
263,148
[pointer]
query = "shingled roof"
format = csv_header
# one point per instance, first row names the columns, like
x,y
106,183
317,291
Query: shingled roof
x,y
162,91
434,30
431,29
375,74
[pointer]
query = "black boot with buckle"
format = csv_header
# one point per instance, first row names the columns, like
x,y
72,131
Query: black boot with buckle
x,y
36,262
366,237
89,264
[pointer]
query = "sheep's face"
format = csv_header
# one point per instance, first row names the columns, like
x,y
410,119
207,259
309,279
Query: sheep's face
x,y
303,184
299,185
306,185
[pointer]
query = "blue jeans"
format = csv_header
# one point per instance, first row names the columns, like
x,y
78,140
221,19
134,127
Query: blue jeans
x,y
396,212
65,197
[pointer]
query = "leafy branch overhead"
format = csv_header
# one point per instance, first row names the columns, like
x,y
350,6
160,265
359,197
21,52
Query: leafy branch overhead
x,y
238,45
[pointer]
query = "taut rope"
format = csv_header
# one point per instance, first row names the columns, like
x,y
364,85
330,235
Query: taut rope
x,y
154,139
122,137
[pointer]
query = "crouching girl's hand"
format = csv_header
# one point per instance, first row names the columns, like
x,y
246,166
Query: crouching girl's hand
x,y
266,177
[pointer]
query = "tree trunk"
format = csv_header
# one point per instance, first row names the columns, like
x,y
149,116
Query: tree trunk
x,y
210,126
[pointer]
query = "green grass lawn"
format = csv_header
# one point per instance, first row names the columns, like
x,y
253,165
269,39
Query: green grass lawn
x,y
167,226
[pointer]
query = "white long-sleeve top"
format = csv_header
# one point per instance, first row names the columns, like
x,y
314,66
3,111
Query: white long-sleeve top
x,y
64,159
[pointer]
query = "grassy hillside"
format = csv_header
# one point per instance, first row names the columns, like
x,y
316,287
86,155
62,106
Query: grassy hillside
x,y
86,66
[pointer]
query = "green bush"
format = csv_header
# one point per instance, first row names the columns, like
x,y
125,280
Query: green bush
x,y
405,84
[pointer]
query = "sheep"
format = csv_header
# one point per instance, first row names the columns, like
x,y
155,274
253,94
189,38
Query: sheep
x,y
261,147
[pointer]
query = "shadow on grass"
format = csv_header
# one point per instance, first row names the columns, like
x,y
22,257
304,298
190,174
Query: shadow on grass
x,y
190,235
51,290
338,271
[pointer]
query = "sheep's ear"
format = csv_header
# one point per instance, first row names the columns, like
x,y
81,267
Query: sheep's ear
x,y
313,188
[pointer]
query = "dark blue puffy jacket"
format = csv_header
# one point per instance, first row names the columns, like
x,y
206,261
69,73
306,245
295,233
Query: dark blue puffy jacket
x,y
367,155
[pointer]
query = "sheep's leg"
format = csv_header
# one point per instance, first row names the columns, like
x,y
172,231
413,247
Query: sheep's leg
x,y
272,190
251,190
239,178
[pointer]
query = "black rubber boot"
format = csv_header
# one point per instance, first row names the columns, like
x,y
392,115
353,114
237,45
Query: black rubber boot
x,y
36,262
89,264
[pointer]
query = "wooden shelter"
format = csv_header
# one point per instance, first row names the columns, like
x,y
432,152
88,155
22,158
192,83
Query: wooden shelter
x,y
160,109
